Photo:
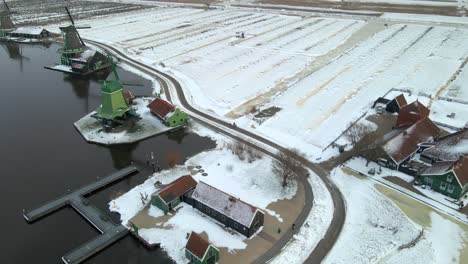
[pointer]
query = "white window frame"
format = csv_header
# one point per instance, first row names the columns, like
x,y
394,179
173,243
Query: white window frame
x,y
450,188
450,177
443,185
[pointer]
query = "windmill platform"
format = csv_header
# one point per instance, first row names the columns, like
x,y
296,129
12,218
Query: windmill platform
x,y
147,126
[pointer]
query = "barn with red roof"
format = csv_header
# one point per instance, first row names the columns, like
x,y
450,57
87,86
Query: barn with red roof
x,y
168,113
171,195
199,251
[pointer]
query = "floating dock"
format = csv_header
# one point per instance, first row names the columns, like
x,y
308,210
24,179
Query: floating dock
x,y
110,232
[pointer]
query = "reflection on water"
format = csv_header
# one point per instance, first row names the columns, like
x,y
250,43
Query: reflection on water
x,y
43,156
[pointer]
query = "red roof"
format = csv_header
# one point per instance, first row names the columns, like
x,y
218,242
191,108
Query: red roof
x,y
161,108
177,188
401,100
197,245
412,113
461,169
406,143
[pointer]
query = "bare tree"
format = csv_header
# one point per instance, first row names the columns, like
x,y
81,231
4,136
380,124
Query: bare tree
x,y
143,198
356,132
288,167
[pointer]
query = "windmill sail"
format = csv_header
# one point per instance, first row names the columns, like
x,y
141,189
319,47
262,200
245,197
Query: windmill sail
x,y
72,40
5,21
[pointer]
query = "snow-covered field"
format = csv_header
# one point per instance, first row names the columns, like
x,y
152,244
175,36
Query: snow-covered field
x,y
375,227
323,72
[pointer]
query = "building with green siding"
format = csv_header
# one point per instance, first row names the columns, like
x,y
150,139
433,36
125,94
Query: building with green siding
x,y
174,193
447,177
200,251
168,113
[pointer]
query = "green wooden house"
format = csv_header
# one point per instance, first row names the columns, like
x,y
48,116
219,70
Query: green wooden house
x,y
200,251
447,177
174,193
168,113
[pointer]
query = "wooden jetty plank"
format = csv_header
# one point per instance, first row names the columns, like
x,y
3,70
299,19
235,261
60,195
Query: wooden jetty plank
x,y
53,206
46,209
94,246
107,180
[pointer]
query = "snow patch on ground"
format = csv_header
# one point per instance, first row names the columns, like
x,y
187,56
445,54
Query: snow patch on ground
x,y
252,182
441,232
129,204
155,211
173,235
374,226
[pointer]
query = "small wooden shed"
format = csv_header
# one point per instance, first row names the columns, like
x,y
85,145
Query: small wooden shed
x,y
200,251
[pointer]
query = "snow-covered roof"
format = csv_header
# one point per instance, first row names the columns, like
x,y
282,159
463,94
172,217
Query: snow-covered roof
x,y
406,143
85,55
450,147
224,203
438,168
28,30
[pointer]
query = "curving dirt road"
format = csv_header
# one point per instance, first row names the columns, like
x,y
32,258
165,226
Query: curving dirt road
x,y
171,85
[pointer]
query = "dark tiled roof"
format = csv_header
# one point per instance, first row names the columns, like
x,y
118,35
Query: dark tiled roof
x,y
177,188
197,245
450,147
224,203
161,108
407,142
412,113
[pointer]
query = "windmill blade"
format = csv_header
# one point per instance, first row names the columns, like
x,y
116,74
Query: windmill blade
x,y
7,7
69,15
73,23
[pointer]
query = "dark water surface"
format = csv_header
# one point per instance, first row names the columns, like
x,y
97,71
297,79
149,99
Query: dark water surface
x,y
42,155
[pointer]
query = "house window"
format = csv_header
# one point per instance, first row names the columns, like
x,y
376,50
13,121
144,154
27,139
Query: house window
x,y
443,185
235,225
450,188
200,206
207,210
449,178
223,217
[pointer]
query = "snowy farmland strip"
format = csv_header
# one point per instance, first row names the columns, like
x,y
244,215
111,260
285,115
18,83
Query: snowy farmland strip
x,y
193,32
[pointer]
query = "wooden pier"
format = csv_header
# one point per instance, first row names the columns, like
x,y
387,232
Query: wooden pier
x,y
110,231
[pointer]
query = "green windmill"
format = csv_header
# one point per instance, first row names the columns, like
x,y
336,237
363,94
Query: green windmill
x,y
115,107
75,56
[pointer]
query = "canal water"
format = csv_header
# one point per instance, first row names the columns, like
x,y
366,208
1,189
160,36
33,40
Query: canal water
x,y
42,156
